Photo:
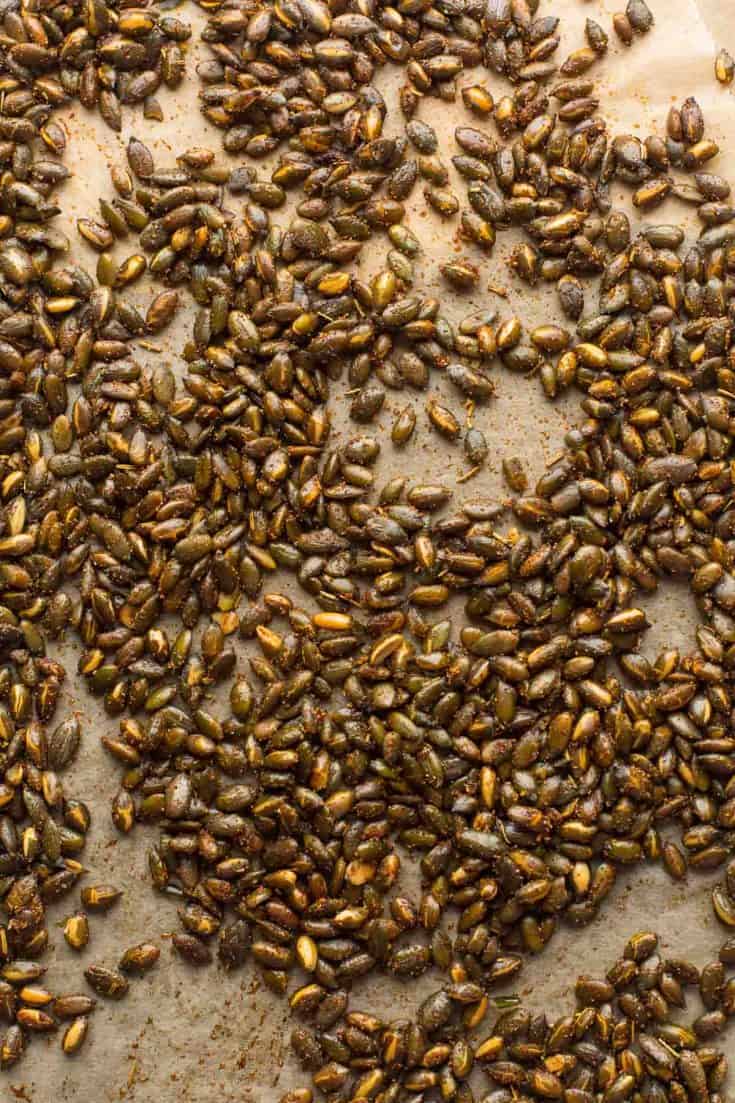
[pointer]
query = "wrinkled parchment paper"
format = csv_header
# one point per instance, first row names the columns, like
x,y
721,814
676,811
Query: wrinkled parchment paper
x,y
202,1036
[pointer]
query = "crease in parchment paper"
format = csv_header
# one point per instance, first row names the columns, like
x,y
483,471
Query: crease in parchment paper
x,y
718,17
706,11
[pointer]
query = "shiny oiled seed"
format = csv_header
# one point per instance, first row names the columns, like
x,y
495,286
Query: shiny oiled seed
x,y
724,67
106,982
443,420
75,1035
99,897
403,426
76,931
139,959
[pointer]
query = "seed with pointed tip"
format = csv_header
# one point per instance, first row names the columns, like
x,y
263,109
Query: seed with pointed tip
x,y
76,931
100,898
108,983
75,1035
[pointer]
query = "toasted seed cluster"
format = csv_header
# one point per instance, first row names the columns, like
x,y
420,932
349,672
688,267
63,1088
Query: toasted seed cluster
x,y
456,680
624,1041
104,55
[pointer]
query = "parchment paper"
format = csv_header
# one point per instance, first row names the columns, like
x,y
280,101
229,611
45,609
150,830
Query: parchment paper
x,y
198,1036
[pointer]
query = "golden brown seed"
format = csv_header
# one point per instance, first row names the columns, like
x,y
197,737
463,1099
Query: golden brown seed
x,y
76,931
139,959
724,67
100,897
106,982
443,420
75,1035
478,99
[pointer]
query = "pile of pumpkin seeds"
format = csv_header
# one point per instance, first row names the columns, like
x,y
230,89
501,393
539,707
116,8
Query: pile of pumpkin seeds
x,y
622,1042
451,681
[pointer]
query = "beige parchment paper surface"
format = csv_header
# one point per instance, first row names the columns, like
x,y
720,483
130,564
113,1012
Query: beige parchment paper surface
x,y
203,1036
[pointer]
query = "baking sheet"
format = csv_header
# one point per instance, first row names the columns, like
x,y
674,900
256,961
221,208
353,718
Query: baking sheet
x,y
199,1035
